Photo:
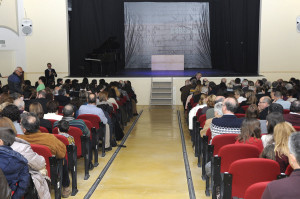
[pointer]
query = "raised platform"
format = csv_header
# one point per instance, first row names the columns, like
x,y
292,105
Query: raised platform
x,y
206,72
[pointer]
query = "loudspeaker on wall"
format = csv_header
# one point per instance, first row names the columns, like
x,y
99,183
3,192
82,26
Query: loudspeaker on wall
x,y
26,27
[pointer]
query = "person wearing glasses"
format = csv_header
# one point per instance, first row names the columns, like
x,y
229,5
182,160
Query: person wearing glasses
x,y
15,81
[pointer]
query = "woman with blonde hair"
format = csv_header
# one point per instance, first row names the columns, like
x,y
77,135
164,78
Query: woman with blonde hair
x,y
282,132
209,104
195,96
251,98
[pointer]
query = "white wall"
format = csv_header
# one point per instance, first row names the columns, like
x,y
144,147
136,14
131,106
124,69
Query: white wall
x,y
13,52
48,42
279,39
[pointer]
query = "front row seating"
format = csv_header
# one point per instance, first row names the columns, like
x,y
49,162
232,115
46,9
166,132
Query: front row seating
x,y
246,172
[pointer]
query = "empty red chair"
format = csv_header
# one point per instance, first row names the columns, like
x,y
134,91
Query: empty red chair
x,y
226,156
245,107
286,111
43,129
245,172
256,190
297,128
240,115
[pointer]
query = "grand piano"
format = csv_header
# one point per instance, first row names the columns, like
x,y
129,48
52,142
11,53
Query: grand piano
x,y
104,60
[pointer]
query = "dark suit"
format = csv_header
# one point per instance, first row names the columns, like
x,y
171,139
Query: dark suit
x,y
49,77
287,188
263,114
294,119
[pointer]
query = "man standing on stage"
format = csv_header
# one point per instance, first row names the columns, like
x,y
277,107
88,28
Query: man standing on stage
x,y
50,74
15,81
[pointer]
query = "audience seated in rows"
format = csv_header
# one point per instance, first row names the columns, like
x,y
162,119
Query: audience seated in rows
x,y
36,163
228,123
52,108
30,124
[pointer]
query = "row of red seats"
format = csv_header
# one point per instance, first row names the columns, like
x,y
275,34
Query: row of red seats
x,y
223,148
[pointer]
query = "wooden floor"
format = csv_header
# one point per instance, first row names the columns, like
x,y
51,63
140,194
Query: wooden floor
x,y
152,164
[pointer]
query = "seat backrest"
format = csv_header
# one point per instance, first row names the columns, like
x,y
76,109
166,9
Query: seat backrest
x,y
52,122
221,140
94,119
248,171
208,134
288,170
202,120
199,112
245,107
256,190
232,152
60,108
45,152
297,128
286,111
89,126
76,133
240,115
64,140
43,129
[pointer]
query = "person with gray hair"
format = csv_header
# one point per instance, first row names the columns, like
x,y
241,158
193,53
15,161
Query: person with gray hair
x,y
30,124
218,113
15,81
278,98
263,107
287,187
294,116
210,113
228,123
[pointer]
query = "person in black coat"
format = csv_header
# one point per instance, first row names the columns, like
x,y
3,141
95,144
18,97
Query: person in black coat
x,y
50,74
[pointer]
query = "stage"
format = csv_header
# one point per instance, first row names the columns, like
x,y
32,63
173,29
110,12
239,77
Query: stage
x,y
172,73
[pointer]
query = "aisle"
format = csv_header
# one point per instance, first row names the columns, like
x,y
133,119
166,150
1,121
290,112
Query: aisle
x,y
152,165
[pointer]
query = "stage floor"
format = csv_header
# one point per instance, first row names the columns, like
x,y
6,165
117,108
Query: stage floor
x,y
175,73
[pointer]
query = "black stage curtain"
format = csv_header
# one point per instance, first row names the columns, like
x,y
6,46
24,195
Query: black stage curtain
x,y
234,32
91,23
234,35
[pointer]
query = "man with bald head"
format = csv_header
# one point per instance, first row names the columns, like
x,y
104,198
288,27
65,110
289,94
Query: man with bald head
x,y
228,123
15,81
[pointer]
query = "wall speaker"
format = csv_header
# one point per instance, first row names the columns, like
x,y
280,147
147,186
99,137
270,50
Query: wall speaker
x,y
26,27
298,24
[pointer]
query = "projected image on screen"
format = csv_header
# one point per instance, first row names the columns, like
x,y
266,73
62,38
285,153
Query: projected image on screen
x,y
175,28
